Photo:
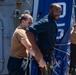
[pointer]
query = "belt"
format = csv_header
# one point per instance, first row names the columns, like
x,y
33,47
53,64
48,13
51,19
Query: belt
x,y
47,51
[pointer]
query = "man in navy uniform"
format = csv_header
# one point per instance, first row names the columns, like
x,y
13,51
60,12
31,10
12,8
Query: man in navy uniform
x,y
42,36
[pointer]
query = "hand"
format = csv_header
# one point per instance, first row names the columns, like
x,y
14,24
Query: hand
x,y
42,63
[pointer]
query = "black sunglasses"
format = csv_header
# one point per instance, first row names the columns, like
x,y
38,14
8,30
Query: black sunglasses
x,y
29,22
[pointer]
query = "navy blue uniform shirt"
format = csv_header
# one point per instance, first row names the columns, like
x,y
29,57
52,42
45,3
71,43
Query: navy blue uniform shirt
x,y
45,31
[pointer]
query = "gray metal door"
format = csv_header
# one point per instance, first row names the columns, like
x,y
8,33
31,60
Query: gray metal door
x,y
1,43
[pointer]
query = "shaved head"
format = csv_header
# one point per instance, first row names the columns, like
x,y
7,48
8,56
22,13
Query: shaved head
x,y
55,10
56,5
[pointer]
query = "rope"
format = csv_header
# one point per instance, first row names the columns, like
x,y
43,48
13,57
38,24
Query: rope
x,y
74,6
62,51
62,44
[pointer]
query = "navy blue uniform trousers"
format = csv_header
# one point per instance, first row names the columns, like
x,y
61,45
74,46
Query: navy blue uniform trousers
x,y
15,67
